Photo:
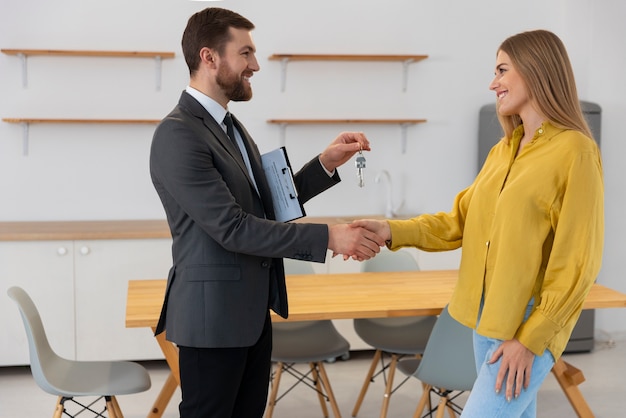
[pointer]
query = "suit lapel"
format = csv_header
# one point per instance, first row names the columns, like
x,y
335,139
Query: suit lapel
x,y
233,150
257,169
215,128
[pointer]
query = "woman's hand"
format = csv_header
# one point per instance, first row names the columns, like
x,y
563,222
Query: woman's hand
x,y
517,360
377,226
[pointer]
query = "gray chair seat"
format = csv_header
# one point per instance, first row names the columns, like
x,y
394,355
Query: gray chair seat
x,y
94,378
69,378
396,335
307,341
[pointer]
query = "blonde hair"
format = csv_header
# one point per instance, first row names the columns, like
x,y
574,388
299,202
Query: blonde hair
x,y
542,61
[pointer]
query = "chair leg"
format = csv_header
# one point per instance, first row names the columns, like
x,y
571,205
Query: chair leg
x,y
110,407
368,380
275,383
58,408
441,408
451,411
423,401
319,387
329,390
116,407
389,387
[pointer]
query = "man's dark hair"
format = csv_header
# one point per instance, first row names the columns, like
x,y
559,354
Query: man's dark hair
x,y
209,28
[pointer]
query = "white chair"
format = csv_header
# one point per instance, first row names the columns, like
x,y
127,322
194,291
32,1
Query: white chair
x,y
68,379
447,367
391,337
309,342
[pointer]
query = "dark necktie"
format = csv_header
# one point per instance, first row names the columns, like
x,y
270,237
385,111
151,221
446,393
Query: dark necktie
x,y
230,129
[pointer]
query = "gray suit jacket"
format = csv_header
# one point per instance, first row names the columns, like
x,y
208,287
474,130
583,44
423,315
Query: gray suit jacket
x,y
227,250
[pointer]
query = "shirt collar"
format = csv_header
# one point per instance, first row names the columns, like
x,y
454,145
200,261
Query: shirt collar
x,y
214,108
546,130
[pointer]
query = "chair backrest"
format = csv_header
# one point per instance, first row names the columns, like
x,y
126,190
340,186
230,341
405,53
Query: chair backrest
x,y
295,267
448,360
298,267
390,261
42,357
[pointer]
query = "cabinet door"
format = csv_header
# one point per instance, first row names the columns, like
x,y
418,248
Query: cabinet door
x,y
45,270
102,270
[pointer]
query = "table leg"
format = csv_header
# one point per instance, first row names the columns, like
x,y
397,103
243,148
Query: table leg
x,y
171,355
173,380
164,397
569,377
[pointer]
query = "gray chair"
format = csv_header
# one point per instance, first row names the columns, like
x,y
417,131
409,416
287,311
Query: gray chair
x,y
447,367
68,379
391,337
308,342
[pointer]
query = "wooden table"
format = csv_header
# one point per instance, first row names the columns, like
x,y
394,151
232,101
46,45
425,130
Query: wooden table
x,y
354,295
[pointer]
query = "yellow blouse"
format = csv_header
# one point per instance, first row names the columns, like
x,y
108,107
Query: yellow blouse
x,y
531,226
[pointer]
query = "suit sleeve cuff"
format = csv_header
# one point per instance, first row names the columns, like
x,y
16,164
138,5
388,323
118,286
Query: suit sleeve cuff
x,y
330,174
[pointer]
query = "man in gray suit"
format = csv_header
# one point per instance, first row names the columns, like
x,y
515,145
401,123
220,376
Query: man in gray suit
x,y
227,249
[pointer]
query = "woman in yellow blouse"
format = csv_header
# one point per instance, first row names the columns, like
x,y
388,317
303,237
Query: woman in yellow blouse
x,y
531,226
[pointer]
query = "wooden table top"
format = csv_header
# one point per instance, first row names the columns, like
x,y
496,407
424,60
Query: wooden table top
x,y
349,296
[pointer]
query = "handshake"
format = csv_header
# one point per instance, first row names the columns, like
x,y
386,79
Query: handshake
x,y
359,240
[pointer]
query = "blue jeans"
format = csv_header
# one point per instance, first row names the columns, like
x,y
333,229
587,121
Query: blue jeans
x,y
484,402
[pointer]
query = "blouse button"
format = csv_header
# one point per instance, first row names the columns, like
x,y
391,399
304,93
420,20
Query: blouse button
x,y
487,243
540,131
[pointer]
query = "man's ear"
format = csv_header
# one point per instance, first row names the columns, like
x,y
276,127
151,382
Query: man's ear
x,y
207,56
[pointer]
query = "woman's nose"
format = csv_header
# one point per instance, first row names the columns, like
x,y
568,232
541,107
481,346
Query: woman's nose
x,y
494,83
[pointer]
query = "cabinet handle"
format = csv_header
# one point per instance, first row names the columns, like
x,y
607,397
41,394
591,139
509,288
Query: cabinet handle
x,y
84,250
61,251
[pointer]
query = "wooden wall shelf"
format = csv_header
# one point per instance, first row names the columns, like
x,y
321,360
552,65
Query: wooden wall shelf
x,y
23,53
82,121
86,53
345,121
405,59
404,123
344,57
25,122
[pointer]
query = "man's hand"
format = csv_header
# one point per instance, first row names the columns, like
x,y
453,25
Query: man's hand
x,y
343,148
379,227
517,360
358,243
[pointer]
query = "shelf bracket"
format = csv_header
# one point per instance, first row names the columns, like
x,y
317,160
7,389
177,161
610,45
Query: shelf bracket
x,y
22,57
283,134
403,128
24,138
405,73
283,73
158,65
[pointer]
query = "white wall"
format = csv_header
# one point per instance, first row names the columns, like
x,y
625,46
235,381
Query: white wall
x,y
101,172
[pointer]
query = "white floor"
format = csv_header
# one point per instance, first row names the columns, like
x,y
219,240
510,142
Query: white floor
x,y
604,390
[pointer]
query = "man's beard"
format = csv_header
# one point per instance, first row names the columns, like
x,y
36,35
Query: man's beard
x,y
232,84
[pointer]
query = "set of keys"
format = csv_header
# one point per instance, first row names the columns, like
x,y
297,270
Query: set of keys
x,y
360,165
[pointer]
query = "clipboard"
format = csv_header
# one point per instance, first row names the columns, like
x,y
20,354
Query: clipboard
x,y
279,175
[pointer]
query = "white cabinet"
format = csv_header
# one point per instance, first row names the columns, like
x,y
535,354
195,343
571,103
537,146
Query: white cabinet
x,y
80,289
45,269
102,271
